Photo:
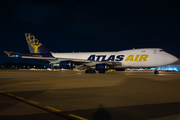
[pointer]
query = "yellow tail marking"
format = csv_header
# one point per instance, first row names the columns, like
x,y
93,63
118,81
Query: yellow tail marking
x,y
81,118
33,42
7,53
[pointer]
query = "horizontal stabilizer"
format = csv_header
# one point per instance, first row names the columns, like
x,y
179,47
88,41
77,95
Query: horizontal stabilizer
x,y
31,56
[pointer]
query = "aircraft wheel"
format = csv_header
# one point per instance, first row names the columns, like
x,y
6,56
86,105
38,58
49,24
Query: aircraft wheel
x,y
93,71
87,71
101,71
90,71
156,72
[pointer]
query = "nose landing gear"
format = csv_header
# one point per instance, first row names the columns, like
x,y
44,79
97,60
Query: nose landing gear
x,y
156,72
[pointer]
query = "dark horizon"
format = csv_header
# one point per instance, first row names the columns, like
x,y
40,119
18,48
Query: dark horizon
x,y
90,26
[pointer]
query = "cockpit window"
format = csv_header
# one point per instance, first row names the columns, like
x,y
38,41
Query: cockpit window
x,y
161,50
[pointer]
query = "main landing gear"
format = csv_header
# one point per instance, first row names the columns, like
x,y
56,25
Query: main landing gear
x,y
93,71
90,71
156,72
101,71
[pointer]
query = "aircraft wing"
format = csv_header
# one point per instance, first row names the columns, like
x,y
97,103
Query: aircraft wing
x,y
54,60
89,62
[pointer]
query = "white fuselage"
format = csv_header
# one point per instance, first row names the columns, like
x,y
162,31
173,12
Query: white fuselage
x,y
147,57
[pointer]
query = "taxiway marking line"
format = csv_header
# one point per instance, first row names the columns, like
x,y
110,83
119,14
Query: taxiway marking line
x,y
53,108
10,94
81,118
21,99
33,102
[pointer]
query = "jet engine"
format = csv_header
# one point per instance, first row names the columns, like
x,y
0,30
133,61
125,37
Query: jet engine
x,y
66,64
102,67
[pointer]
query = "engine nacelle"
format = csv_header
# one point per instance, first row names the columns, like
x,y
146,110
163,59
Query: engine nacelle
x,y
66,64
102,67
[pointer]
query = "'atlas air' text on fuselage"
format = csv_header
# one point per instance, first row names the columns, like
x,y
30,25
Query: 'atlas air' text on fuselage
x,y
118,58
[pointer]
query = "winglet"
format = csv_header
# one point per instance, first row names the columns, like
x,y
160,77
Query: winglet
x,y
7,53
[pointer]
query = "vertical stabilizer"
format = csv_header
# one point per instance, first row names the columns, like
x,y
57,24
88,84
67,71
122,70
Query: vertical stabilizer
x,y
35,46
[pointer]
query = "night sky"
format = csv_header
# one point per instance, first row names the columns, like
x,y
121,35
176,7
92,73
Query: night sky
x,y
90,25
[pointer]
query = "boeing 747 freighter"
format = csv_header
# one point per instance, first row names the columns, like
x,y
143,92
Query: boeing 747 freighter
x,y
97,61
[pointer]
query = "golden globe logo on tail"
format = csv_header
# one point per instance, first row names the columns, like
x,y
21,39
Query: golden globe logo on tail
x,y
33,42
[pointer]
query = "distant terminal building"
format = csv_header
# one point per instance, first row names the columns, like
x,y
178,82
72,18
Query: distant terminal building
x,y
173,67
21,65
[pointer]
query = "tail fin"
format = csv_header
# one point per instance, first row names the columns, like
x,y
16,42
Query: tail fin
x,y
34,45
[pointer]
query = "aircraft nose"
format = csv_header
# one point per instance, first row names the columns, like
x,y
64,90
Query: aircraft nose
x,y
175,59
171,58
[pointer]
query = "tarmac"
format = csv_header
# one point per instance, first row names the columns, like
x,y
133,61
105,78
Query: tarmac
x,y
74,95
